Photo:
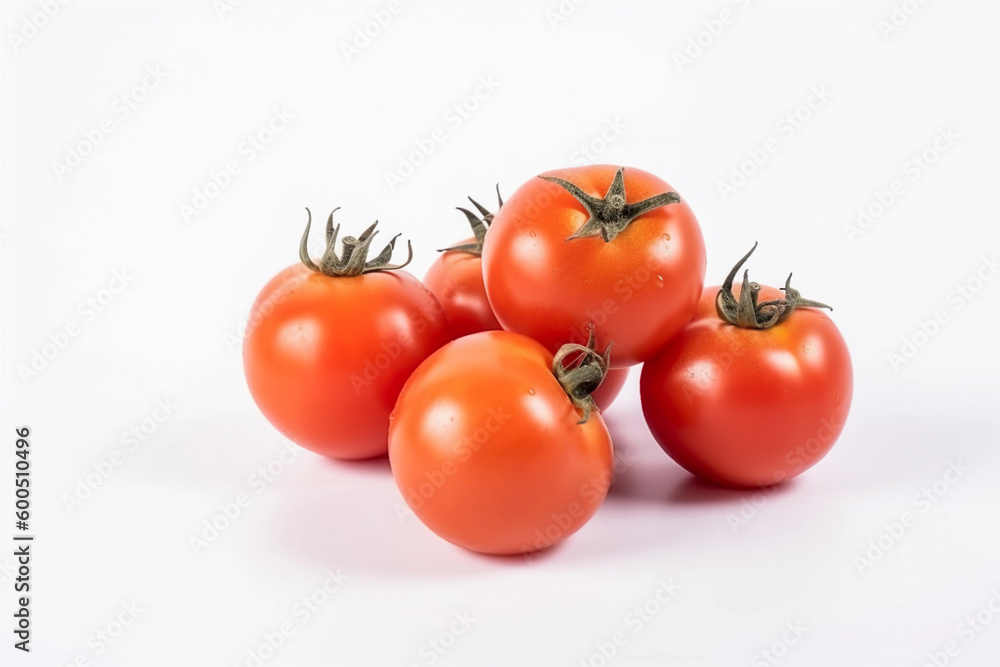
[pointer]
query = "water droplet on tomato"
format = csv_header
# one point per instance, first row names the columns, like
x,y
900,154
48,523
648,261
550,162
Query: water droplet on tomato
x,y
666,237
531,390
532,234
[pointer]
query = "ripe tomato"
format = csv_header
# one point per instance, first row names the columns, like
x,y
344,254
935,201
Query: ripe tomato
x,y
749,404
606,394
456,279
328,347
492,453
558,258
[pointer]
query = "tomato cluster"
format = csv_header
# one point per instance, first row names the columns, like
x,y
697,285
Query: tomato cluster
x,y
485,383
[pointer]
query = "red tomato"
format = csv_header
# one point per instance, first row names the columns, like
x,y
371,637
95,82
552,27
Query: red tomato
x,y
456,279
749,407
606,394
489,450
632,263
325,356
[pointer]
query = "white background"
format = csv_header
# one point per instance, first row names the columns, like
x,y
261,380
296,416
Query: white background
x,y
172,332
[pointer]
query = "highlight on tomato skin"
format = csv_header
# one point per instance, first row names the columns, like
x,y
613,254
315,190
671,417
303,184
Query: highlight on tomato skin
x,y
490,452
754,404
456,279
329,345
615,247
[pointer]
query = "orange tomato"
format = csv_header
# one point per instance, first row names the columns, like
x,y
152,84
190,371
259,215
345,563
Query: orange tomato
x,y
550,272
488,450
325,355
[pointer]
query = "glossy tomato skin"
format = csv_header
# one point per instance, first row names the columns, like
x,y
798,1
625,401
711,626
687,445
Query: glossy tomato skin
x,y
606,394
639,290
486,449
325,357
456,279
748,408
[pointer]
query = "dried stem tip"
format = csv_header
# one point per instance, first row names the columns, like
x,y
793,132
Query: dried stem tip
x,y
353,259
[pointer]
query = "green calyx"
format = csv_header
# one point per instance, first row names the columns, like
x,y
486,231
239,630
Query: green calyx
x,y
580,370
747,313
480,225
610,215
353,259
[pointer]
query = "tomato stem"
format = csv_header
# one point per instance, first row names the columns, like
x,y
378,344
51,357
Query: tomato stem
x,y
353,259
479,226
747,313
610,215
580,370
